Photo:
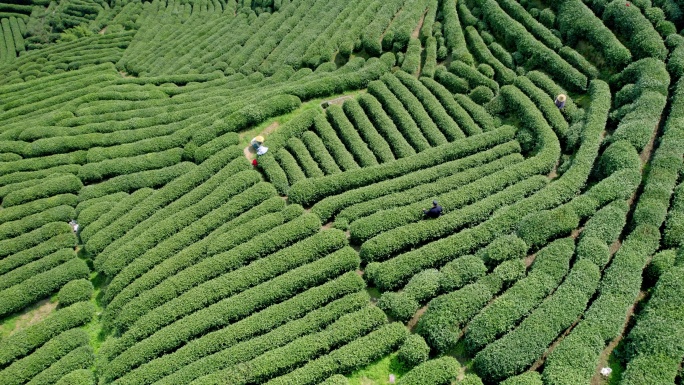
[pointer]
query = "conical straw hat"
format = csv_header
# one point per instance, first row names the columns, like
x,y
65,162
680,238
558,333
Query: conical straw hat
x,y
259,138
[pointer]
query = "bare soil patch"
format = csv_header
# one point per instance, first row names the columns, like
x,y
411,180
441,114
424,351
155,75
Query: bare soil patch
x,y
34,314
414,321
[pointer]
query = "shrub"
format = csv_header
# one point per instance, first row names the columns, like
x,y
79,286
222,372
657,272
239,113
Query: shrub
x,y
33,336
481,95
594,250
643,40
576,21
460,272
502,249
411,62
459,115
257,334
237,307
547,18
311,190
451,82
40,285
549,268
336,379
385,126
440,371
537,228
510,271
423,285
67,184
355,355
78,377
279,361
453,32
413,351
528,378
618,156
75,291
399,306
509,356
660,264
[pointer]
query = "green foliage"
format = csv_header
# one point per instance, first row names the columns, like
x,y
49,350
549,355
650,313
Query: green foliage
x,y
67,184
643,40
312,190
537,228
78,377
502,249
619,155
260,332
41,285
423,285
75,291
528,378
509,355
413,351
460,272
550,266
481,95
399,306
440,371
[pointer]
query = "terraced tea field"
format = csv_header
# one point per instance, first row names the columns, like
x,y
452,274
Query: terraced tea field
x,y
144,240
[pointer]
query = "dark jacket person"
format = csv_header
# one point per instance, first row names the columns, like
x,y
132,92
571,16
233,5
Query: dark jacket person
x,y
434,212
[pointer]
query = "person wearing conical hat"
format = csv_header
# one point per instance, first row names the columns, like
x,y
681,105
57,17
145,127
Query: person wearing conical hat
x,y
257,141
560,101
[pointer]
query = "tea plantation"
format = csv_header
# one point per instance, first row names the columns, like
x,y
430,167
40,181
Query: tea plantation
x,y
146,239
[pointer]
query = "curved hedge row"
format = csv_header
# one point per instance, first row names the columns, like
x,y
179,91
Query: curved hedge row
x,y
334,145
178,252
31,222
80,358
619,186
122,207
502,74
539,56
440,371
385,126
23,370
142,179
35,207
643,40
409,235
221,313
509,356
95,172
362,196
353,356
653,349
148,210
113,259
457,113
268,329
33,336
278,361
176,306
356,115
312,190
66,184
576,357
218,263
550,266
47,262
386,212
363,155
401,118
432,106
40,285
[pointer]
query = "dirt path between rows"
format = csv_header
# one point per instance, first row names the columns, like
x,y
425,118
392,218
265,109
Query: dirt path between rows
x,y
249,151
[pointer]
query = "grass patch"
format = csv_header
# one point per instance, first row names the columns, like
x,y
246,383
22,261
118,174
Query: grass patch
x,y
378,372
